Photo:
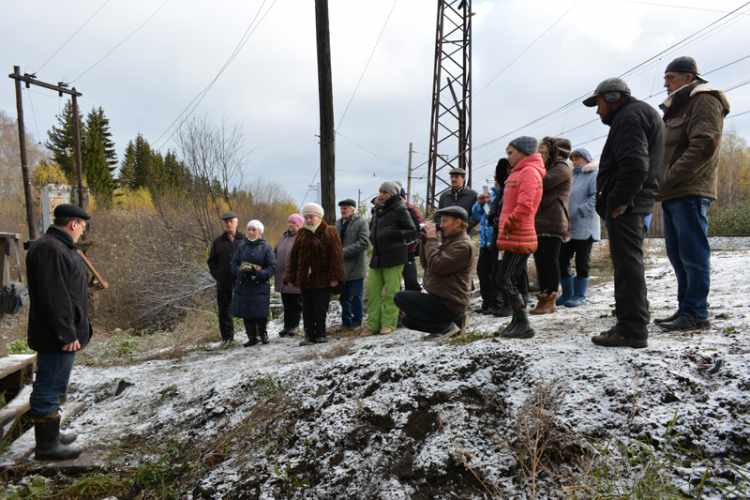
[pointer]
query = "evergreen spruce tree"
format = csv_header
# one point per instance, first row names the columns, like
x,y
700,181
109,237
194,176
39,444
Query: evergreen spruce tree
x,y
100,158
61,137
137,165
127,177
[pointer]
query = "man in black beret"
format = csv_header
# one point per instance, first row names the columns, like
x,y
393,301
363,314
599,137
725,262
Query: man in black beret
x,y
443,310
222,251
58,324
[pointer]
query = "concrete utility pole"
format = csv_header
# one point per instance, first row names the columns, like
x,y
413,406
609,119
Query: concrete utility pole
x,y
408,179
325,96
31,80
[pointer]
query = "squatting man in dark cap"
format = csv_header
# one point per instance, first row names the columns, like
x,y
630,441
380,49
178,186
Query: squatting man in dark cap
x,y
627,185
58,324
694,116
443,310
222,251
459,195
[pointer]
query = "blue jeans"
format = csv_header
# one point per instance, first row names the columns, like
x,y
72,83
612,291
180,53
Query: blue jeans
x,y
351,302
686,238
52,377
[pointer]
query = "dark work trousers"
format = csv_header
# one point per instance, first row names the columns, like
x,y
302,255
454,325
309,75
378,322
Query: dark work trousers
x,y
495,295
314,311
292,309
424,312
51,382
487,283
226,322
582,251
513,277
626,234
411,279
547,261
257,324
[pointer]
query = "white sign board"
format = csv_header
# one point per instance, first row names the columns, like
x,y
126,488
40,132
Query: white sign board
x,y
52,196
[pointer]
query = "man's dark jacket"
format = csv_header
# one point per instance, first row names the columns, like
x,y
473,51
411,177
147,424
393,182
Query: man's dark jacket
x,y
632,160
222,251
390,228
465,198
59,312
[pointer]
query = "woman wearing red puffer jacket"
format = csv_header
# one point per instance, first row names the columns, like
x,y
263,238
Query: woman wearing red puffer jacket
x,y
517,236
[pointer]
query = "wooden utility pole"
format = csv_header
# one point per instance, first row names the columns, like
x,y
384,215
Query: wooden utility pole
x,y
24,159
408,179
325,96
31,80
77,148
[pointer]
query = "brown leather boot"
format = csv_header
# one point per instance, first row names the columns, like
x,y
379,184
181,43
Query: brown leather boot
x,y
546,304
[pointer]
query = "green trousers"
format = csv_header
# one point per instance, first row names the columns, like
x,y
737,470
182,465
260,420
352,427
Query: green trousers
x,y
381,311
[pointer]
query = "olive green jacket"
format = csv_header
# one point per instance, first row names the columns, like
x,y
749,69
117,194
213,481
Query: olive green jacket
x,y
694,119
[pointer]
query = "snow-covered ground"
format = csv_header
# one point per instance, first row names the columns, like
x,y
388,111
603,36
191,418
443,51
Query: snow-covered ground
x,y
392,416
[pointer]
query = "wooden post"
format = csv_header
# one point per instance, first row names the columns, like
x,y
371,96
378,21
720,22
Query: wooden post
x,y
24,159
325,96
77,147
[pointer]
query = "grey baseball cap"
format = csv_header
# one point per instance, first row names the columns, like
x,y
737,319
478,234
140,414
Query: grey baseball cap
x,y
607,86
686,64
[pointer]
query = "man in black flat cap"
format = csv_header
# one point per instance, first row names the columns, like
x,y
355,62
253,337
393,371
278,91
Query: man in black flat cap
x,y
222,251
443,310
58,324
627,184
694,116
459,195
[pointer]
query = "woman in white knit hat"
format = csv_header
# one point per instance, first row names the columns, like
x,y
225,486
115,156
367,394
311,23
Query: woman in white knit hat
x,y
316,267
254,263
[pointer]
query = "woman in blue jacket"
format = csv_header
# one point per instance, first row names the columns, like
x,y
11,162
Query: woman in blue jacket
x,y
254,263
584,229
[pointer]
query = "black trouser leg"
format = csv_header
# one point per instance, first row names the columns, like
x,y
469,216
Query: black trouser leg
x,y
411,278
513,277
292,309
547,260
582,251
626,234
315,309
251,329
494,292
424,312
484,272
226,322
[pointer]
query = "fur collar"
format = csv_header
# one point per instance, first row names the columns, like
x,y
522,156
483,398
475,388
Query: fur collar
x,y
590,167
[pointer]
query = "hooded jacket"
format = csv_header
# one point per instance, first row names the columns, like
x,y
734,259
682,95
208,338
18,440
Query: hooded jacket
x,y
390,228
552,218
59,310
313,263
632,159
485,227
252,297
584,221
521,197
694,119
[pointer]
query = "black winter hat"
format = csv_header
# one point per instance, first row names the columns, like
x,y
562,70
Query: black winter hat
x,y
686,64
68,210
349,202
501,170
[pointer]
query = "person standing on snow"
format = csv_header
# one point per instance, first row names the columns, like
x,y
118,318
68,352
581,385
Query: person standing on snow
x,y
222,250
410,275
694,116
585,229
355,237
487,250
459,195
627,185
58,325
517,236
316,267
291,297
254,263
442,311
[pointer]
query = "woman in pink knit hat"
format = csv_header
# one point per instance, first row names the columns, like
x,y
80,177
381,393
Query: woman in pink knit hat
x,y
290,296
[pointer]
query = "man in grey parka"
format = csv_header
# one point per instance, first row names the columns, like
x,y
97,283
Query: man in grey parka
x,y
355,237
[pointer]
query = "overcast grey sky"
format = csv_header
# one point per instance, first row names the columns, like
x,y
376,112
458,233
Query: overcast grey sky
x,y
271,86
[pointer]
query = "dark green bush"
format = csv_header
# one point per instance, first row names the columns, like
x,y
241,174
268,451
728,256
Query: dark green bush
x,y
731,220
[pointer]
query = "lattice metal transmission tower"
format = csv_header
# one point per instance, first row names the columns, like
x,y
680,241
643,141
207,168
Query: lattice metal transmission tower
x,y
450,120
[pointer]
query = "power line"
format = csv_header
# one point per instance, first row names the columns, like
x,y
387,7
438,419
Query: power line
x,y
676,6
71,36
368,63
123,41
245,37
36,125
527,48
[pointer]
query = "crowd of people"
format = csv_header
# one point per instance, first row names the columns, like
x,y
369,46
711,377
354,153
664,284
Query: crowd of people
x,y
547,200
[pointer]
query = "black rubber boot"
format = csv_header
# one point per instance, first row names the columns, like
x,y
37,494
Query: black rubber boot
x,y
522,329
252,336
67,437
262,330
502,309
48,446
